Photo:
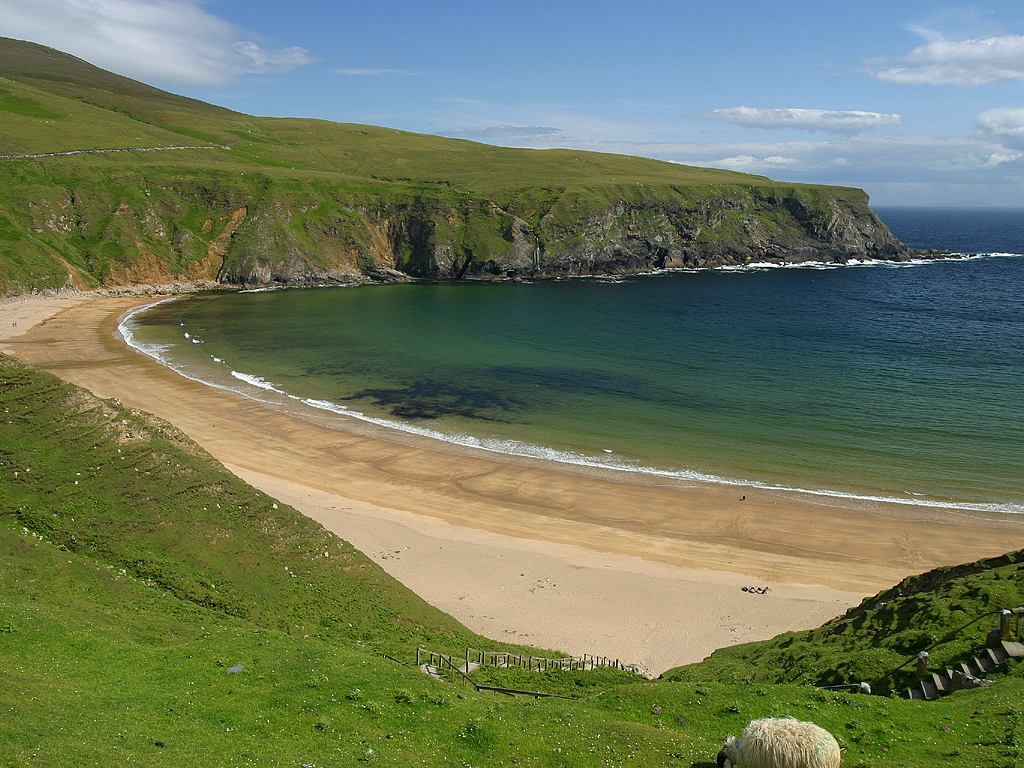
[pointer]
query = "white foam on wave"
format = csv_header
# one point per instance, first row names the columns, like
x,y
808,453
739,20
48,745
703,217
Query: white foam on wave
x,y
765,266
156,351
259,381
533,451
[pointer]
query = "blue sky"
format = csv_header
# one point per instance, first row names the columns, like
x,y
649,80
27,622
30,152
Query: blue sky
x,y
917,102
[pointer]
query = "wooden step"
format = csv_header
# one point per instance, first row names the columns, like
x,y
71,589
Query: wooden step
x,y
929,690
431,670
1013,650
997,656
941,683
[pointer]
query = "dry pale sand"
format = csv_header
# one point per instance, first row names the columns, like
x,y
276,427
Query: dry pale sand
x,y
643,569
19,314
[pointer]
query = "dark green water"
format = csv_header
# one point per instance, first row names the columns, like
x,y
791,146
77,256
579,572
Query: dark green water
x,y
892,382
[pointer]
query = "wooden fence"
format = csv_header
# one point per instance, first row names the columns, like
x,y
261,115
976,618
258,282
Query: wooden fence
x,y
505,660
444,667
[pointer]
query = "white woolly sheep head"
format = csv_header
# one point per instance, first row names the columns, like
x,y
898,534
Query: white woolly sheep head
x,y
727,756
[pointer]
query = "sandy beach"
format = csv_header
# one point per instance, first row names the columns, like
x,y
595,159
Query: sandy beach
x,y
644,569
18,315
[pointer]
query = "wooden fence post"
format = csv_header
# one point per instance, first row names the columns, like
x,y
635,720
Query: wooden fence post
x,y
1004,624
922,665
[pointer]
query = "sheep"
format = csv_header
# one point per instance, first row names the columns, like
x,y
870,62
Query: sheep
x,y
780,743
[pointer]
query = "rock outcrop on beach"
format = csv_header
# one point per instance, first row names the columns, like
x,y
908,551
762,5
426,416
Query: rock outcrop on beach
x,y
107,182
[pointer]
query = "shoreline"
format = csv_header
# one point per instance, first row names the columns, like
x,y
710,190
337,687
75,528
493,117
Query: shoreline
x,y
253,386
526,450
662,560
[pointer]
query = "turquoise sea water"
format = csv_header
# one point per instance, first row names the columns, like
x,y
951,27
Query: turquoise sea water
x,y
903,382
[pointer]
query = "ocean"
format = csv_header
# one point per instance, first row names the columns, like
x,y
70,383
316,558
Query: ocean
x,y
897,382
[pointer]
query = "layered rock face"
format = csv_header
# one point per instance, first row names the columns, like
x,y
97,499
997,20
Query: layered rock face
x,y
259,231
433,239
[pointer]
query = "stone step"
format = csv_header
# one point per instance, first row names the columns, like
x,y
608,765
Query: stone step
x,y
941,683
913,693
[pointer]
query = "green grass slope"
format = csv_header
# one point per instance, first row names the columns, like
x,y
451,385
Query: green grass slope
x,y
34,119
133,494
882,632
48,70
135,573
361,151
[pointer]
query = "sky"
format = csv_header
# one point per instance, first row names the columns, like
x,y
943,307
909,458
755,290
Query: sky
x,y
919,103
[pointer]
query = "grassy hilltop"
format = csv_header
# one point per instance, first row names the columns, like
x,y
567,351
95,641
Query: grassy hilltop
x,y
310,201
135,572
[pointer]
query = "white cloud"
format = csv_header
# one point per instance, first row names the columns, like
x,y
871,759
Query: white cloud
x,y
999,158
941,61
826,120
364,72
483,119
855,159
167,41
511,132
263,61
750,162
982,168
1004,122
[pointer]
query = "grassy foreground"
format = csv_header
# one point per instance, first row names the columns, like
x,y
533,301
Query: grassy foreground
x,y
135,573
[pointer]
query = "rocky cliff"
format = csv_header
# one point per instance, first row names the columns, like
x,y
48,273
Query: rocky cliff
x,y
665,228
165,225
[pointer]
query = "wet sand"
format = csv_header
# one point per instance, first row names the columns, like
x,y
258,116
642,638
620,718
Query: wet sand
x,y
645,569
